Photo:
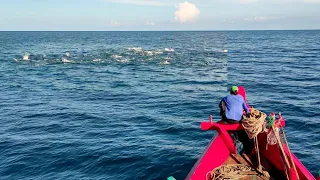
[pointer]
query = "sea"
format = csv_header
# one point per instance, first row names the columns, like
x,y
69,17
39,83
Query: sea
x,y
128,105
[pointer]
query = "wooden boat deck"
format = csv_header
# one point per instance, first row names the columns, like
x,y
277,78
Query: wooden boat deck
x,y
245,160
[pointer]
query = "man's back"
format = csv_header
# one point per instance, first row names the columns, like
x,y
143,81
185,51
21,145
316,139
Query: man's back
x,y
234,107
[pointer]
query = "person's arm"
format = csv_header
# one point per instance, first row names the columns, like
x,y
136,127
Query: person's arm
x,y
220,104
244,105
222,107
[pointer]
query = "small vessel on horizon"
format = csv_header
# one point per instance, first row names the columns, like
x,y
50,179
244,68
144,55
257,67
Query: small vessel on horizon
x,y
26,57
65,58
168,49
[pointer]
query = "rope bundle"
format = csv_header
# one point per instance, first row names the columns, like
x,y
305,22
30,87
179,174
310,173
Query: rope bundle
x,y
235,172
254,123
231,171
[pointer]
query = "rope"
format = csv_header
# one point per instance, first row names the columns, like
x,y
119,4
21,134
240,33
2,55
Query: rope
x,y
258,153
230,171
289,152
234,171
254,123
281,150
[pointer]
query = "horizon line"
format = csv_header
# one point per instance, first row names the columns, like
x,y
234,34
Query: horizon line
x,y
158,30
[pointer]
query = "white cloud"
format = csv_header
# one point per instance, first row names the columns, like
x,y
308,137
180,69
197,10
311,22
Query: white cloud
x,y
139,2
150,23
206,3
186,12
312,1
115,23
200,3
268,1
247,1
260,18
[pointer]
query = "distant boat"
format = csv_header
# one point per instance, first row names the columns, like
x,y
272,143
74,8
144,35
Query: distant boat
x,y
158,52
26,57
166,62
137,49
65,60
124,60
116,56
168,49
149,53
223,50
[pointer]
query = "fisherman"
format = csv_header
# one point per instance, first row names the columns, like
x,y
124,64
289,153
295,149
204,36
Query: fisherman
x,y
232,106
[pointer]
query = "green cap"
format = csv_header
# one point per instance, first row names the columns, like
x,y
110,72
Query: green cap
x,y
234,89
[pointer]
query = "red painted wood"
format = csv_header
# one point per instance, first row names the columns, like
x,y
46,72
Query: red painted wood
x,y
214,156
242,92
292,175
303,172
222,145
229,127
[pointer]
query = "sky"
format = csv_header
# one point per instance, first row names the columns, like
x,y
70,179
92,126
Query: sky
x,y
158,15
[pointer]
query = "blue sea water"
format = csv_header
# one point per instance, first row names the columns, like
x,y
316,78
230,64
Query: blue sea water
x,y
127,105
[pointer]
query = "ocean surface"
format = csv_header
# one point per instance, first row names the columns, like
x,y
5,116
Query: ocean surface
x,y
128,105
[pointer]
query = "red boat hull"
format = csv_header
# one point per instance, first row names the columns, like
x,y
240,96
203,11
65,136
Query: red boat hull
x,y
221,147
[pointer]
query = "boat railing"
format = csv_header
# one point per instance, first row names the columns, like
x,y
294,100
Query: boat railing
x,y
223,129
205,125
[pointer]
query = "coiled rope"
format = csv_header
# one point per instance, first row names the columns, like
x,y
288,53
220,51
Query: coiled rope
x,y
235,171
254,123
231,171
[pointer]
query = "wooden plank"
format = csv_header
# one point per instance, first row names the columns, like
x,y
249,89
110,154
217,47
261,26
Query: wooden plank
x,y
244,159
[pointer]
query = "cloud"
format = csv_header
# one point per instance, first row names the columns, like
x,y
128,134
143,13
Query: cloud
x,y
260,18
186,12
268,1
150,23
247,1
312,1
115,23
139,2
